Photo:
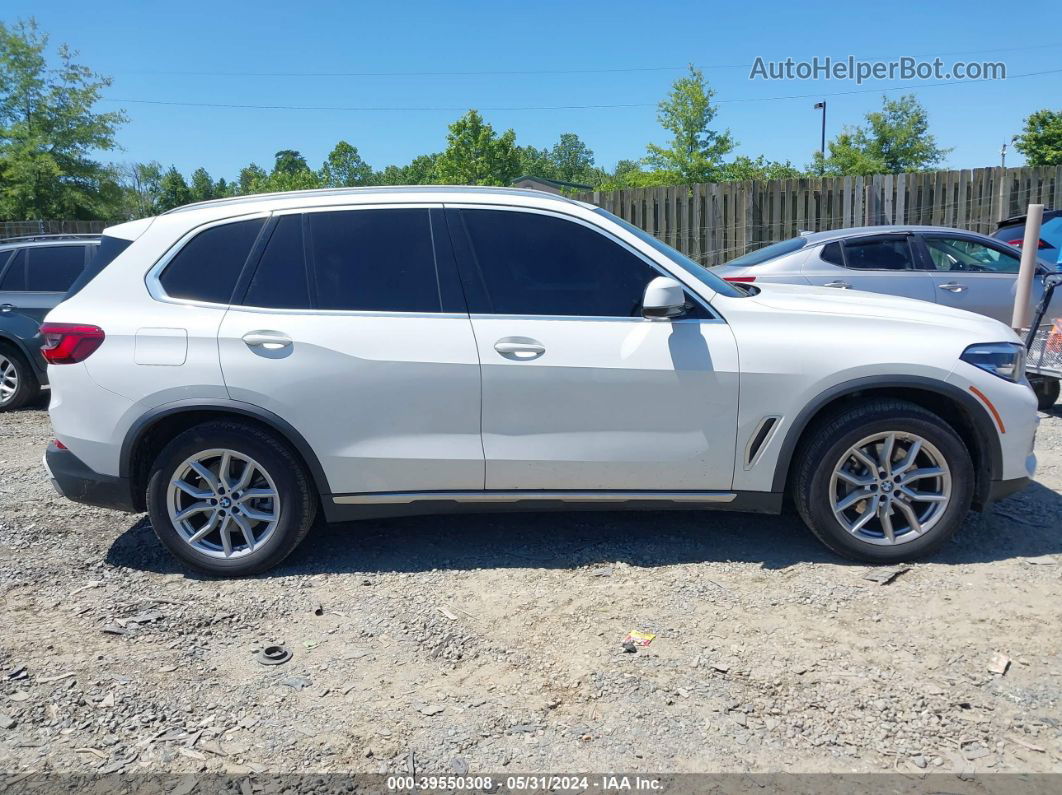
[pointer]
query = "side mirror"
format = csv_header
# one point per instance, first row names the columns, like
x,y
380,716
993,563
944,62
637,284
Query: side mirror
x,y
664,299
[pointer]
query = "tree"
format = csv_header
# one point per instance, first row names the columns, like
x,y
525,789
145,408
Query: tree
x,y
345,168
250,175
894,140
142,185
1041,139
289,161
475,155
535,162
696,151
173,190
573,160
202,186
743,168
48,131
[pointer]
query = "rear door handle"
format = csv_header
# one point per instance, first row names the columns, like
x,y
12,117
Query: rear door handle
x,y
7,307
270,340
839,284
953,287
519,348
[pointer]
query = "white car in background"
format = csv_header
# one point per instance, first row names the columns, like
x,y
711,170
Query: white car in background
x,y
245,365
950,267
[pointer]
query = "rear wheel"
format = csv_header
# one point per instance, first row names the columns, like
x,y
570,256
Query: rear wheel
x,y
1047,391
884,482
18,382
229,499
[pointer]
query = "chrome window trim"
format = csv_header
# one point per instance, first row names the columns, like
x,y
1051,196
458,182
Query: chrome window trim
x,y
714,316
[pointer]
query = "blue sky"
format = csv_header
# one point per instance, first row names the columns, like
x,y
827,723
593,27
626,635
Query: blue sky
x,y
146,47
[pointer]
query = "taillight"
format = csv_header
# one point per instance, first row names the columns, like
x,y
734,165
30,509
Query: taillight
x,y
69,343
1021,241
741,279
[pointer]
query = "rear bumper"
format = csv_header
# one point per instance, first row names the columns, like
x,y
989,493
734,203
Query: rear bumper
x,y
75,481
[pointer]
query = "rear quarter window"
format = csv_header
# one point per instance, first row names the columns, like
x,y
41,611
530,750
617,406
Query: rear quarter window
x,y
207,266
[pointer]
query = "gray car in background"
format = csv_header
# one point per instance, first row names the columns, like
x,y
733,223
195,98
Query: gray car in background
x,y
945,266
35,275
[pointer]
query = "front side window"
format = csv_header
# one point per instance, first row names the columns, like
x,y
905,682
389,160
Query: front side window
x,y
885,253
964,254
52,269
207,267
534,264
374,260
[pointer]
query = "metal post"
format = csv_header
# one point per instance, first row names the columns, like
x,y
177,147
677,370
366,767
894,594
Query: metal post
x,y
822,144
1027,271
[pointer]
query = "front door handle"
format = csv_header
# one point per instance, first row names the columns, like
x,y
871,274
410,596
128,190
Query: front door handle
x,y
953,287
7,307
270,340
519,349
839,285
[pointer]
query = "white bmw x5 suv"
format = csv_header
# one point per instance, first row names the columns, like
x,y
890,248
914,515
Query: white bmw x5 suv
x,y
244,365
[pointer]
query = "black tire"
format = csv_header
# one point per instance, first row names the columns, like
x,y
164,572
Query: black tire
x,y
1047,391
28,385
827,443
298,502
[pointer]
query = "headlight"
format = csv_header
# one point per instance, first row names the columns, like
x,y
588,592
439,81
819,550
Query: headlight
x,y
1005,359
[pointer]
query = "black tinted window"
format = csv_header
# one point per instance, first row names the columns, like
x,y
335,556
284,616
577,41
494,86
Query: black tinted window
x,y
279,282
207,267
15,275
831,253
52,269
879,253
107,250
380,260
535,264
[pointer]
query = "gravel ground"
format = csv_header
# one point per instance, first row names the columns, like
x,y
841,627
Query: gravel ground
x,y
492,643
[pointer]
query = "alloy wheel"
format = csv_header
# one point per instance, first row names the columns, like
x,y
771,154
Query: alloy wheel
x,y
8,379
223,504
890,488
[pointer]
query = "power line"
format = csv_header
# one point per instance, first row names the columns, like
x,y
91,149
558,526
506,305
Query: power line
x,y
602,106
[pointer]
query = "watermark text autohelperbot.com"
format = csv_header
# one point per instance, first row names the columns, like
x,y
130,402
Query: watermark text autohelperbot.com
x,y
851,68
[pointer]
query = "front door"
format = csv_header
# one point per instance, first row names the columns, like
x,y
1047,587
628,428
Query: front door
x,y
350,332
580,392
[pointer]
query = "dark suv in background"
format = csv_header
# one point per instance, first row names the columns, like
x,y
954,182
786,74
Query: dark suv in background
x,y
35,275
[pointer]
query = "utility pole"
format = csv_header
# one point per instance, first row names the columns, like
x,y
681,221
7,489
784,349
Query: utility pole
x,y
822,145
1003,155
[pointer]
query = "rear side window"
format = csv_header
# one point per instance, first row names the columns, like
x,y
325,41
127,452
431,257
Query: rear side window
x,y
207,267
15,275
831,253
52,269
534,264
106,251
891,253
374,260
280,282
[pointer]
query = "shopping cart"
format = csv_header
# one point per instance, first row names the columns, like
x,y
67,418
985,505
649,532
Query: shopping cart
x,y
1043,340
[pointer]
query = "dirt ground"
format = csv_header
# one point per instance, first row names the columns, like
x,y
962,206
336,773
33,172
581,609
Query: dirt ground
x,y
492,643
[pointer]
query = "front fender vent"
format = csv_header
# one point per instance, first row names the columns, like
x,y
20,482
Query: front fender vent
x,y
758,440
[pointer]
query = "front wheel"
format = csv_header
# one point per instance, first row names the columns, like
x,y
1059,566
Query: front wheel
x,y
18,382
229,499
884,482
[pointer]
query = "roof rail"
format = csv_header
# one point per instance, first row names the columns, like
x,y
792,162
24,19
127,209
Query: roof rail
x,y
30,238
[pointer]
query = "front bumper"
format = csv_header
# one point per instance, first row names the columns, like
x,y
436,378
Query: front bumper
x,y
75,481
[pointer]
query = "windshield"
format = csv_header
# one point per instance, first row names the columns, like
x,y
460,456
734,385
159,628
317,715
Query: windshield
x,y
769,252
698,272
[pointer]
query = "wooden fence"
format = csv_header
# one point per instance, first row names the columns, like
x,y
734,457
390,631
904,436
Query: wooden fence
x,y
715,222
21,228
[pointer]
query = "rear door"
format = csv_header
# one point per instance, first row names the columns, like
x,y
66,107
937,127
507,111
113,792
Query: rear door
x,y
353,329
971,273
883,263
580,392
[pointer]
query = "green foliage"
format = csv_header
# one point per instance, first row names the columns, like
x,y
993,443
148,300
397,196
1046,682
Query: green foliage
x,y
289,161
344,168
743,168
894,140
249,176
476,155
48,130
141,185
1041,138
202,187
173,191
696,151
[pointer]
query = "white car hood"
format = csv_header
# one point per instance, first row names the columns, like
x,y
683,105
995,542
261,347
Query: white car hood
x,y
856,303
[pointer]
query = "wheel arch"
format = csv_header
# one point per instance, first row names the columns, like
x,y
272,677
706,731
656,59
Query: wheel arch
x,y
13,341
960,410
153,430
